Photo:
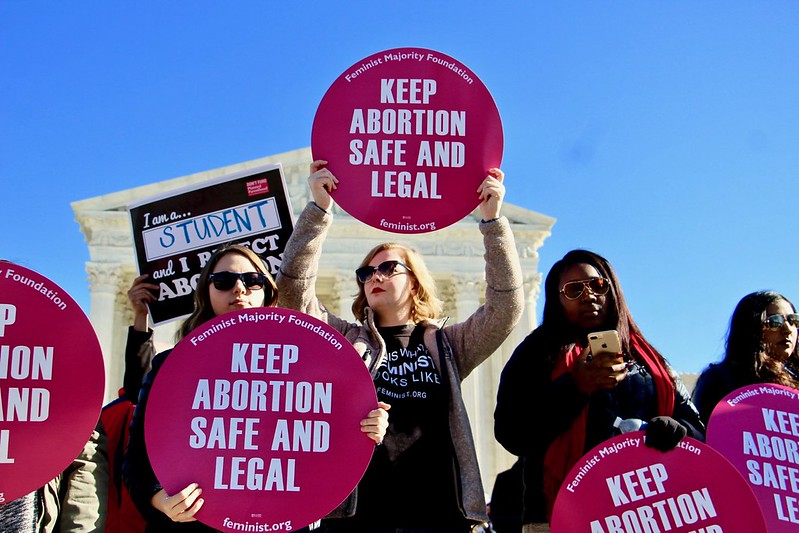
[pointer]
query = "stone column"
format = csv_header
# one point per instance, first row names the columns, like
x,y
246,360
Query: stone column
x,y
339,299
479,388
104,283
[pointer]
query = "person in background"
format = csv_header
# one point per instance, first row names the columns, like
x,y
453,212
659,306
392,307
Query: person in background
x,y
139,349
89,496
20,514
122,514
761,347
75,500
72,501
505,507
556,400
233,279
425,477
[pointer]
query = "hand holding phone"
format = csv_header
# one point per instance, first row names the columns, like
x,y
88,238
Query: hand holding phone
x,y
604,366
604,342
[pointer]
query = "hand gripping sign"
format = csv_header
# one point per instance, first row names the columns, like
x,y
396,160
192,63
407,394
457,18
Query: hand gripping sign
x,y
52,380
262,409
410,133
757,428
623,486
175,232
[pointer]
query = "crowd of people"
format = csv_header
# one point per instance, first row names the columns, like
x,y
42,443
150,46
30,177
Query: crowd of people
x,y
556,398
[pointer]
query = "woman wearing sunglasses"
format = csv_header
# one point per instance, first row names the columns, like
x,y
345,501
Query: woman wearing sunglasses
x,y
425,477
557,400
761,347
233,279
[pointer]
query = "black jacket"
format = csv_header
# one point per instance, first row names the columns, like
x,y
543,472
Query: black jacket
x,y
532,410
138,472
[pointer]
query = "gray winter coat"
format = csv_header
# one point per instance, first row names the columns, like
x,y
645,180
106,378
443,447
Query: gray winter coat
x,y
466,344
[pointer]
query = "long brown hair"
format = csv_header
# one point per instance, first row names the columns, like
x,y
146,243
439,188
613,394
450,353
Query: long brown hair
x,y
425,302
203,311
745,350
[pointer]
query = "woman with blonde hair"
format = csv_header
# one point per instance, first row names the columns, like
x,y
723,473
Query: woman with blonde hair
x,y
425,477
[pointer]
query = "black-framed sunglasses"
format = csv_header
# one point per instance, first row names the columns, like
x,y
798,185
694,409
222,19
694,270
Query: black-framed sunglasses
x,y
775,322
224,280
386,270
575,289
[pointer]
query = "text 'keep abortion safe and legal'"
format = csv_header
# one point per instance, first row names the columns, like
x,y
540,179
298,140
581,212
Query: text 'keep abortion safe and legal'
x,y
277,396
17,363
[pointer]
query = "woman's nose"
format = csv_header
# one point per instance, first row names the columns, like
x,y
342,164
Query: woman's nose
x,y
239,287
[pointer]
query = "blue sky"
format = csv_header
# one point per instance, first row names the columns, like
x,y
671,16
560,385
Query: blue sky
x,y
662,135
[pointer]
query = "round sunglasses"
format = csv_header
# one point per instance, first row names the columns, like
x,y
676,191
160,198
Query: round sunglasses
x,y
575,289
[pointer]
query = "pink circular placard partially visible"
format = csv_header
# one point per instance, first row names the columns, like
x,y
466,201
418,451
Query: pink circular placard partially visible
x,y
622,485
410,133
52,380
262,408
757,429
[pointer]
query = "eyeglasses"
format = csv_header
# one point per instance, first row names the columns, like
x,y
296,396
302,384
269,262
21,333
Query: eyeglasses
x,y
574,289
775,322
386,270
224,280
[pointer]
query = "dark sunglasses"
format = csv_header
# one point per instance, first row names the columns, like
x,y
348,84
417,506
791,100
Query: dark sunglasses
x,y
574,289
775,322
224,280
386,269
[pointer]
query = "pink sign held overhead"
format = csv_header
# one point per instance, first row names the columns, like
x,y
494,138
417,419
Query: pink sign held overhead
x,y
757,428
261,408
623,486
52,380
410,133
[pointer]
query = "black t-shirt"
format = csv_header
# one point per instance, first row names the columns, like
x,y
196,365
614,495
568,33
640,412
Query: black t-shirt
x,y
411,478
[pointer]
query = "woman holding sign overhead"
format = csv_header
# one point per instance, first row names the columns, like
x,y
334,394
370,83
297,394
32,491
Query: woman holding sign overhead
x,y
761,348
568,386
233,279
425,477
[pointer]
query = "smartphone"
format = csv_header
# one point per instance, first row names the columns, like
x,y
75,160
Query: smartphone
x,y
604,342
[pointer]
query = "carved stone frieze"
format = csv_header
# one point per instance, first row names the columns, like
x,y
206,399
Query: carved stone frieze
x,y
106,229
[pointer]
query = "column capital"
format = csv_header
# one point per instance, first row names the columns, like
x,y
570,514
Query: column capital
x,y
340,286
103,277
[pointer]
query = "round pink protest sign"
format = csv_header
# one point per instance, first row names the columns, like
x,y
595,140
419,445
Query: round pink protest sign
x,y
52,380
410,133
261,408
757,428
624,486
